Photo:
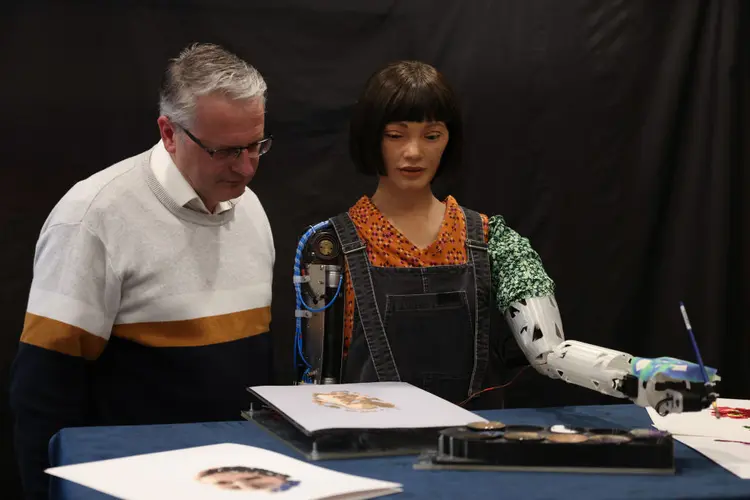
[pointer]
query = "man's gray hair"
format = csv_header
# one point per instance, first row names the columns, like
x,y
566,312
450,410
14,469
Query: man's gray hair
x,y
203,69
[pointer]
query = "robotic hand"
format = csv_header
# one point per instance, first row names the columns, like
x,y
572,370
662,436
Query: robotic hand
x,y
668,385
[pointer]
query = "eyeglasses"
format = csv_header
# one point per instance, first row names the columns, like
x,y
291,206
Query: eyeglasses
x,y
255,149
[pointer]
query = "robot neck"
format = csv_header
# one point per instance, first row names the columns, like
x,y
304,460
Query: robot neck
x,y
392,201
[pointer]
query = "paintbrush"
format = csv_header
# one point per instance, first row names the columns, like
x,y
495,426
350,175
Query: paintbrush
x,y
706,383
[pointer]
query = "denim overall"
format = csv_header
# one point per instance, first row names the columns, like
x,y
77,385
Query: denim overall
x,y
428,326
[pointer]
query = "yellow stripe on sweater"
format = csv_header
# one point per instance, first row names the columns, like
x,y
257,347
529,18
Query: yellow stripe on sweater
x,y
61,337
198,331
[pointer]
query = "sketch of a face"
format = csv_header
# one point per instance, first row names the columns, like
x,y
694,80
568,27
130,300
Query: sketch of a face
x,y
246,478
351,401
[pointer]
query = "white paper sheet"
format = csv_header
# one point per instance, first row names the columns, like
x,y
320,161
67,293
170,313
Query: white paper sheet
x,y
176,474
734,457
376,405
705,423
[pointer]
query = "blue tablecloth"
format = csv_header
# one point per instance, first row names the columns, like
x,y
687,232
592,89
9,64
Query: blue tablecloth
x,y
696,477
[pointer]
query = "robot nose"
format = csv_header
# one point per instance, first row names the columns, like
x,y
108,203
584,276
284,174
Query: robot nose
x,y
412,150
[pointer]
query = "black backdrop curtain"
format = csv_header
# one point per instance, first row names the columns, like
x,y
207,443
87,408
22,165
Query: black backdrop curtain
x,y
609,132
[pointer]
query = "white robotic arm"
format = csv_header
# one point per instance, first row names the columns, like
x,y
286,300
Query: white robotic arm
x,y
537,327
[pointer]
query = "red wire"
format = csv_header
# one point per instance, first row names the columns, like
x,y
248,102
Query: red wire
x,y
493,388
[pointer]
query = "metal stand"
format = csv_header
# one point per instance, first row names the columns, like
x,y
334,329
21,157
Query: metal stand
x,y
343,443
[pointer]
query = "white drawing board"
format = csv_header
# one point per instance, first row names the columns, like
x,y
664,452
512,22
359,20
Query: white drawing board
x,y
732,455
375,405
221,471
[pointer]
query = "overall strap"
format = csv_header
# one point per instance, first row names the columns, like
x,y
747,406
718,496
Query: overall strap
x,y
476,248
364,294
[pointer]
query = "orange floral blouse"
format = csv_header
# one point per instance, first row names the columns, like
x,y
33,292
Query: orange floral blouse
x,y
387,247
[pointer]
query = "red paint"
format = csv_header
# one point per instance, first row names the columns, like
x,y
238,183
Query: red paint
x,y
731,441
736,413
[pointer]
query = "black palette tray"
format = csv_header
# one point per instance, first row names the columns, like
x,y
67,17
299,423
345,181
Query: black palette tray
x,y
493,446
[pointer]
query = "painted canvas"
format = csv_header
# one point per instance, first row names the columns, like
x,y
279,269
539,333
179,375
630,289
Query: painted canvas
x,y
733,422
375,405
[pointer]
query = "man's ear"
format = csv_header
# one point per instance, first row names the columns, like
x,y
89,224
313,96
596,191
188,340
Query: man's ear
x,y
168,134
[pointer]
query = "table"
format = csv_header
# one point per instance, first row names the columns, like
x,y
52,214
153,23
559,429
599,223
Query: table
x,y
696,477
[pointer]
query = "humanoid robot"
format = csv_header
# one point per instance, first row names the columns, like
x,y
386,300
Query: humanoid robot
x,y
666,384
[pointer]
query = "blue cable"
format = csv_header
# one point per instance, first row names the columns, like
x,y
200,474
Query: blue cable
x,y
301,301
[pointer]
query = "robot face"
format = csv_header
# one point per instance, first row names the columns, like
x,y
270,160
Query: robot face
x,y
412,153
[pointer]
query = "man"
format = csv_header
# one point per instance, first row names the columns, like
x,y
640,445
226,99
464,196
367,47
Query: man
x,y
151,295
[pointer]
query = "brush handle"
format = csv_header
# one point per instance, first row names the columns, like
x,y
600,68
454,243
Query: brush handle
x,y
695,345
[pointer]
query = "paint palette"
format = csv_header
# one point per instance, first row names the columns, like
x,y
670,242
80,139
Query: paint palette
x,y
495,446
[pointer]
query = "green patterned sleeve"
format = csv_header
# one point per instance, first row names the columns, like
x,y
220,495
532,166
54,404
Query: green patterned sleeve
x,y
517,270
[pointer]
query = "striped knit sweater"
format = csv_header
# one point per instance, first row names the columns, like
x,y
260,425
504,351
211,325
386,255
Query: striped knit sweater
x,y
141,310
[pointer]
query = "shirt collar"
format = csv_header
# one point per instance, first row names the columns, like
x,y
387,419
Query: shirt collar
x,y
177,187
